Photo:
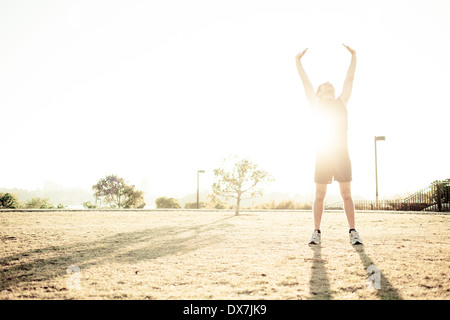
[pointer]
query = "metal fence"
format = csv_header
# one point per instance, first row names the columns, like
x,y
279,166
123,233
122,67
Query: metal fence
x,y
435,197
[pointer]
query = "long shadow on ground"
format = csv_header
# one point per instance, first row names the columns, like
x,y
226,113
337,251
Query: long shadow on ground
x,y
161,242
385,291
319,285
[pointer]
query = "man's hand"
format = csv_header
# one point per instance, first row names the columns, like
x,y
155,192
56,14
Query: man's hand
x,y
300,55
348,83
349,49
309,90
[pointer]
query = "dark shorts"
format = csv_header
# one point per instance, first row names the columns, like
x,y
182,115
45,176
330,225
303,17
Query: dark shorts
x,y
333,164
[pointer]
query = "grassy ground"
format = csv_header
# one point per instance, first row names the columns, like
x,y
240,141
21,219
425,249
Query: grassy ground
x,y
216,255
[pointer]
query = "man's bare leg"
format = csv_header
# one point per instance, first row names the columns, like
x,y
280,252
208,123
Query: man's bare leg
x,y
321,191
349,208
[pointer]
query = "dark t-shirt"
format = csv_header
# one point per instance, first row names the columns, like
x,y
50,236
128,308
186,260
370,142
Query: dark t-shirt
x,y
332,123
332,158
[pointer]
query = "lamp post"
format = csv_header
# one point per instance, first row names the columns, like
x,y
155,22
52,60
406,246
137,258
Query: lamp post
x,y
198,190
379,138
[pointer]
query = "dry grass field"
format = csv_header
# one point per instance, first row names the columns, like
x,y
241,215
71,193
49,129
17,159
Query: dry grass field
x,y
216,255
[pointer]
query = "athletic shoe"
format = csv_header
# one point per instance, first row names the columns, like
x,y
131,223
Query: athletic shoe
x,y
354,238
315,238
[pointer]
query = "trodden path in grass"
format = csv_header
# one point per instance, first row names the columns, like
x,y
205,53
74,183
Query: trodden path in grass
x,y
216,255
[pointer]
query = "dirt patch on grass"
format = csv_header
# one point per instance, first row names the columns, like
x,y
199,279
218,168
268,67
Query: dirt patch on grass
x,y
216,255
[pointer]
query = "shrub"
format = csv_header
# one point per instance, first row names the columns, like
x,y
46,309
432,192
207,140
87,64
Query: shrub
x,y
193,205
89,205
167,203
8,201
39,203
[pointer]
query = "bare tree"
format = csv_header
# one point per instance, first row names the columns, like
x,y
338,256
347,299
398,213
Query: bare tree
x,y
241,180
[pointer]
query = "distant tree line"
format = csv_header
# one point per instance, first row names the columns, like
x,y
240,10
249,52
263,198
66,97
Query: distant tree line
x,y
237,178
56,194
285,205
10,201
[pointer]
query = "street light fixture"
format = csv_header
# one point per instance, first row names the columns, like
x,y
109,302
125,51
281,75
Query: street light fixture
x,y
377,138
198,190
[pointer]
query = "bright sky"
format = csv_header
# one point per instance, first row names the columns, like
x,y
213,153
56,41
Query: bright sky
x,y
155,90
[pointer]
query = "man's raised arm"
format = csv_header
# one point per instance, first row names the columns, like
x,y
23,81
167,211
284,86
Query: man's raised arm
x,y
348,83
309,90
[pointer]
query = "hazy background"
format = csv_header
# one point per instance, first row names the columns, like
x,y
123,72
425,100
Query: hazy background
x,y
155,90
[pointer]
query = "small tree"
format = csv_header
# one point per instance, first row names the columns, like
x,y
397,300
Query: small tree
x,y
8,201
239,179
167,203
133,198
116,192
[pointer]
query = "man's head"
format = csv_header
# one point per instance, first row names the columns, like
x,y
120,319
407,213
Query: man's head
x,y
325,91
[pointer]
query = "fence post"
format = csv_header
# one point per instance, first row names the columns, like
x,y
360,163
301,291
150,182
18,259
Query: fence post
x,y
439,200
